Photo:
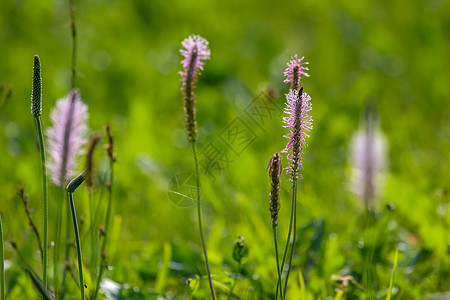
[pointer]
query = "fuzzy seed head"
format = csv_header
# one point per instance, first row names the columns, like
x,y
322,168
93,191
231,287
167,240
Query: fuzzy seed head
x,y
299,123
36,93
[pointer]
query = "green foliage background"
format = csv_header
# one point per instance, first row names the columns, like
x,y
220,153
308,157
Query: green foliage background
x,y
392,53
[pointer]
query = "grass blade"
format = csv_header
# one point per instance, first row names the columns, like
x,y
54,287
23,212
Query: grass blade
x,y
394,269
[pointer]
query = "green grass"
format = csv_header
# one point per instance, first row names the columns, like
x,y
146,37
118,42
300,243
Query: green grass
x,y
392,53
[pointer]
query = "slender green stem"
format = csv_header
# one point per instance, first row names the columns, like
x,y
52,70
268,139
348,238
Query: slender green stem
x,y
235,280
199,212
74,42
275,241
394,270
31,222
44,184
94,235
56,253
294,200
67,251
104,243
2,263
77,238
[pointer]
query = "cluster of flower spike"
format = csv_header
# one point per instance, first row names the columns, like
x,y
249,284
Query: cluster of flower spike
x,y
298,120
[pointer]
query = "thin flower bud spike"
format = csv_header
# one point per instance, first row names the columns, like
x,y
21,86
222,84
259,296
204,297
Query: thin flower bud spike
x,y
294,71
368,159
299,123
67,136
76,182
275,175
89,166
36,93
110,148
195,53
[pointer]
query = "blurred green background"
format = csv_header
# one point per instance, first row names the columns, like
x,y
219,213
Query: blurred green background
x,y
392,53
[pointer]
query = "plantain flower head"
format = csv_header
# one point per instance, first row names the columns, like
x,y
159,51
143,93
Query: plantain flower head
x,y
66,136
36,92
299,123
195,51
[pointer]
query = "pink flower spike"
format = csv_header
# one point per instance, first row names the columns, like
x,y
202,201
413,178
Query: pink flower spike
x,y
66,137
294,71
195,52
299,123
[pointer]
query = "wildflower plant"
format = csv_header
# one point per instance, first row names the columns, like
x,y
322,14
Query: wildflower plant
x,y
299,122
195,51
65,138
36,111
240,251
71,187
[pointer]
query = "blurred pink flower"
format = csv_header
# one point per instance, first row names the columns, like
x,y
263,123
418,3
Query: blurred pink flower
x,y
67,136
369,160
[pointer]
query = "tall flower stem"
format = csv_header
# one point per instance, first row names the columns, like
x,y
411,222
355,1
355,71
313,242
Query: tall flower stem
x,y
94,235
2,263
24,198
291,221
44,184
294,212
59,212
199,212
66,251
103,262
275,241
77,239
74,42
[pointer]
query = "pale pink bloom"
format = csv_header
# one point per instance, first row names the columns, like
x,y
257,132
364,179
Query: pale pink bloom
x,y
369,161
66,136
